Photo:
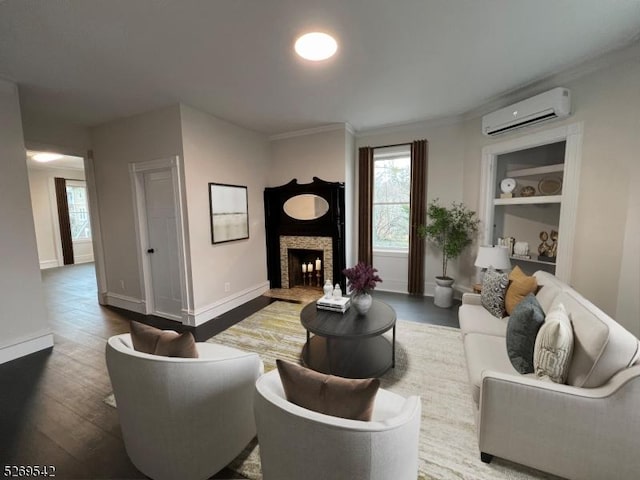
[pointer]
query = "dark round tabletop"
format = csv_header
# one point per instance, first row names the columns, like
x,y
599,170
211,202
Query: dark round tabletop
x,y
380,318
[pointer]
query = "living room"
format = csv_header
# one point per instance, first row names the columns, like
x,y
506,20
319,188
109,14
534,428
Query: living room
x,y
214,145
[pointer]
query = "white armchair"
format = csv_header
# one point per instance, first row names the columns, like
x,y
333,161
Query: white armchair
x,y
183,418
296,443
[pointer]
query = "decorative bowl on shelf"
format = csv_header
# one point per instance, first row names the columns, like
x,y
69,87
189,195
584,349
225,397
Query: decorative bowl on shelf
x,y
527,191
550,185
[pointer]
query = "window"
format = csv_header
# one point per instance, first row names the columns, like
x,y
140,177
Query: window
x,y
78,210
391,188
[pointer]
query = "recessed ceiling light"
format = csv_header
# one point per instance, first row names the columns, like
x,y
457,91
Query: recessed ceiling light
x,y
316,46
46,157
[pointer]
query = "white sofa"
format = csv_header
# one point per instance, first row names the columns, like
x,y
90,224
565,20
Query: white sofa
x,y
296,443
586,429
183,418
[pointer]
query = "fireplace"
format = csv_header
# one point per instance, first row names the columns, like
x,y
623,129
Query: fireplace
x,y
305,268
293,241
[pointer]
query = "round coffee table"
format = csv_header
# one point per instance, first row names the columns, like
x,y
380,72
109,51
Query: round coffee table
x,y
347,344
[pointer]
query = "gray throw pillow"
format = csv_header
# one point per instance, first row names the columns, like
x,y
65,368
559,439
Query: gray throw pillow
x,y
525,321
494,287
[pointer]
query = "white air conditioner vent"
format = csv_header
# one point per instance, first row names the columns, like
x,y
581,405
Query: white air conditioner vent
x,y
546,106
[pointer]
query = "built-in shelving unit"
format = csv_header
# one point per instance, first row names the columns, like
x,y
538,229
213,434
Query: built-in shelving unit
x,y
546,167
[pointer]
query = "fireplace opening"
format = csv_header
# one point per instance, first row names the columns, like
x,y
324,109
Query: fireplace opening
x,y
306,268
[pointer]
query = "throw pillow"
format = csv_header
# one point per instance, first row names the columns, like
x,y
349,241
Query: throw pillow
x,y
522,328
520,285
167,343
494,286
336,396
554,346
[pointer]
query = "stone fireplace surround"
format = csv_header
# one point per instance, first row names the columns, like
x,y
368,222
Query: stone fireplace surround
x,y
289,242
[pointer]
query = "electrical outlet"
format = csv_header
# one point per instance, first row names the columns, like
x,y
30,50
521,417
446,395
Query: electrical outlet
x,y
122,285
227,287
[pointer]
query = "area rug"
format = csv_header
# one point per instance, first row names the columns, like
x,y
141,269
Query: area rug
x,y
429,362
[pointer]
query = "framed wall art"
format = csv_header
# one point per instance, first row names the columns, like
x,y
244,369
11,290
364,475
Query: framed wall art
x,y
229,212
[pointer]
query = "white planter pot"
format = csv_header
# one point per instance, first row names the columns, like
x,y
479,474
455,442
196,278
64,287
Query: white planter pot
x,y
444,293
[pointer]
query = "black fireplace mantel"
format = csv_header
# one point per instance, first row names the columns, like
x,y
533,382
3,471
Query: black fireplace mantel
x,y
278,223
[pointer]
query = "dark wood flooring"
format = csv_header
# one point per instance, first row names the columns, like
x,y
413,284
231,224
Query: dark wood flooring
x,y
51,403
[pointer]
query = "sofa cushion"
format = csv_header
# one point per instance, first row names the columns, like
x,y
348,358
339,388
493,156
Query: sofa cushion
x,y
554,346
520,285
549,287
602,347
494,286
167,343
336,396
485,352
476,319
522,328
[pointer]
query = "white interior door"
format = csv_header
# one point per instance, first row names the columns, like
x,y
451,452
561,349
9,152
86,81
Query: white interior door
x,y
162,249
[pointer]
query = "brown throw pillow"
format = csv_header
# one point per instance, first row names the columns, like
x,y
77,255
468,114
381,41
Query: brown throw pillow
x,y
335,396
520,285
167,343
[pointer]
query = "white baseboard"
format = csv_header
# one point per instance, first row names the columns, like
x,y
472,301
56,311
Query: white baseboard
x,y
202,315
26,347
123,301
49,264
83,258
395,286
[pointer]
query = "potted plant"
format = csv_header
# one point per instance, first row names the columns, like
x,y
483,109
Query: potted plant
x,y
361,279
451,230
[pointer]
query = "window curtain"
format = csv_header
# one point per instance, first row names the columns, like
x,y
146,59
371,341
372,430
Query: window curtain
x,y
365,204
65,222
417,215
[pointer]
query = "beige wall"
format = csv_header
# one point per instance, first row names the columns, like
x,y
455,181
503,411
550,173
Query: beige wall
x,y
219,152
303,157
22,313
608,102
42,133
45,215
149,136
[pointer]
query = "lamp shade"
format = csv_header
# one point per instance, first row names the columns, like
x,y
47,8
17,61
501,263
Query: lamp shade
x,y
493,256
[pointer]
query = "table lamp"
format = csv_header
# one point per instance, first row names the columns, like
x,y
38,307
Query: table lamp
x,y
493,256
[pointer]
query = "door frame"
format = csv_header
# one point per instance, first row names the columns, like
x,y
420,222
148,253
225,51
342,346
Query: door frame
x,y
572,134
136,174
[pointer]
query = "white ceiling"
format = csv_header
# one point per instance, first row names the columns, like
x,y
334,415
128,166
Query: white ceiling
x,y
89,61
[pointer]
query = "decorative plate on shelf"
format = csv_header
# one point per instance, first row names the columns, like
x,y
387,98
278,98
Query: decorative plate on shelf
x,y
550,185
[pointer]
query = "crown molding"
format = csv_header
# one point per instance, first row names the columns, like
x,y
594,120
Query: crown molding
x,y
408,126
311,131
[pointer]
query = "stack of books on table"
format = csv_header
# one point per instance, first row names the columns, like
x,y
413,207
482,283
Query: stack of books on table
x,y
334,304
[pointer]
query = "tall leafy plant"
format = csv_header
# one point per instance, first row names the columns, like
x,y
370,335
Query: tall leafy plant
x,y
450,229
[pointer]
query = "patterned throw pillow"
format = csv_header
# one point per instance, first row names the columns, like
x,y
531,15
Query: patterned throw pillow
x,y
494,286
525,321
554,346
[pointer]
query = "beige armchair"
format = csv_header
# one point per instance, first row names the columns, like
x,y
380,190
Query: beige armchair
x,y
296,443
183,418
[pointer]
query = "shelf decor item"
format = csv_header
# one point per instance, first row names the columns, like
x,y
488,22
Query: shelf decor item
x,y
550,185
362,278
507,185
450,230
527,191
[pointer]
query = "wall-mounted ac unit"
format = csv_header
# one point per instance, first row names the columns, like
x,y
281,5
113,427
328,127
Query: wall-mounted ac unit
x,y
549,105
